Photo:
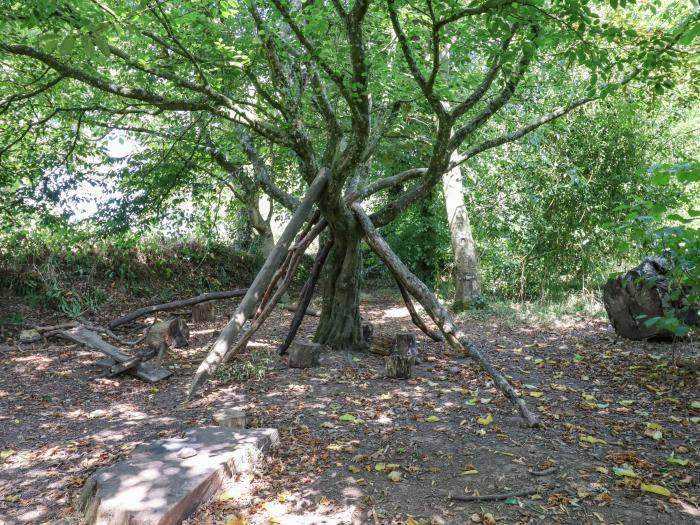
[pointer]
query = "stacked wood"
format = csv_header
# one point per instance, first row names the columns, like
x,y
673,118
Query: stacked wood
x,y
641,293
203,312
304,354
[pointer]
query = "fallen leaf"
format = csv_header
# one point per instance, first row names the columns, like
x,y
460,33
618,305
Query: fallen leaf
x,y
347,417
627,402
326,424
432,419
97,413
676,461
236,520
394,475
485,420
470,472
592,440
380,467
324,501
625,472
354,469
536,394
655,489
12,498
695,404
7,453
512,501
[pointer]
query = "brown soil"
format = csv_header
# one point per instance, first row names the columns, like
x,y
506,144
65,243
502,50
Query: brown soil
x,y
585,384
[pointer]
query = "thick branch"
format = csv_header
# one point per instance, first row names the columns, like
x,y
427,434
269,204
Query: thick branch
x,y
220,350
455,337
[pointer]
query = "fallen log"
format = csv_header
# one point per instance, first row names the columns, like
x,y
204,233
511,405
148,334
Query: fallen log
x,y
454,336
643,293
220,350
174,305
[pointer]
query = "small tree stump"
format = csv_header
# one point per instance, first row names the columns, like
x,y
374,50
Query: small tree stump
x,y
230,418
399,366
304,354
203,312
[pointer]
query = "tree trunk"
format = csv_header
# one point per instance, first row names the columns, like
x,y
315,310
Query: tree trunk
x,y
466,262
340,326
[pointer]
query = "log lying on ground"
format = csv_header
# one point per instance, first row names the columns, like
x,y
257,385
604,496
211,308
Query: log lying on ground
x,y
640,294
454,336
220,349
309,311
210,296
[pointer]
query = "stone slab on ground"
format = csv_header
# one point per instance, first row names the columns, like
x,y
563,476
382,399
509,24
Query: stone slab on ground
x,y
159,484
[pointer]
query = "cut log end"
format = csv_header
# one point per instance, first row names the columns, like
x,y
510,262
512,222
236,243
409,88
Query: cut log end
x,y
203,312
399,366
304,354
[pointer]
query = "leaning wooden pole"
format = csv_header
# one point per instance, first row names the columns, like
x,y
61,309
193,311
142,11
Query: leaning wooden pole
x,y
305,296
435,336
246,308
439,314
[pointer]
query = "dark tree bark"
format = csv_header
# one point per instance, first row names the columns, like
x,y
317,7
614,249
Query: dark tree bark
x,y
340,324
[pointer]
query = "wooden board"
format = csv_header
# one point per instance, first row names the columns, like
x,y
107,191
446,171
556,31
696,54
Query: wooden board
x,y
144,371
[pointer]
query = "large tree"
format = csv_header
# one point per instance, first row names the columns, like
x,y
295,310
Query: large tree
x,y
332,82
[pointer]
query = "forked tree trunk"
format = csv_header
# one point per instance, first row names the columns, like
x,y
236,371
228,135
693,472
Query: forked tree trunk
x,y
466,261
340,326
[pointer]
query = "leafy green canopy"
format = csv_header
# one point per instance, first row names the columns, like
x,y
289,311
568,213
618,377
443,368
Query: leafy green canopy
x,y
371,89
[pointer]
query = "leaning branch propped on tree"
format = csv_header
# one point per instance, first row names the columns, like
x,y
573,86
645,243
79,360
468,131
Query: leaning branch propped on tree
x,y
211,296
305,296
439,314
222,346
435,336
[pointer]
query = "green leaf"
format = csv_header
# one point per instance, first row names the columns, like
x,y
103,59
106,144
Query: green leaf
x,y
67,45
676,461
655,489
512,501
347,417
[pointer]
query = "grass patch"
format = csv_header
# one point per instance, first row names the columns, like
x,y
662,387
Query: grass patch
x,y
254,365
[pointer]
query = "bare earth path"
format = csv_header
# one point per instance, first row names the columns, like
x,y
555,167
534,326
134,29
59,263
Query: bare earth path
x,y
609,408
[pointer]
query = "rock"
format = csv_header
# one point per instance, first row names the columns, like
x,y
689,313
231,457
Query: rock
x,y
29,336
186,452
304,354
230,418
157,486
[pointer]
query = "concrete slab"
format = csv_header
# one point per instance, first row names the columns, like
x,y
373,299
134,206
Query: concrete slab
x,y
160,484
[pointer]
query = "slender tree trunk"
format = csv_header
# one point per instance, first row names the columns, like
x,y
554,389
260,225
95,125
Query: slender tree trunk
x,y
466,261
262,226
339,326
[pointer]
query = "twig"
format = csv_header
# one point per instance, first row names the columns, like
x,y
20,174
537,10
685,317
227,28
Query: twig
x,y
495,497
545,472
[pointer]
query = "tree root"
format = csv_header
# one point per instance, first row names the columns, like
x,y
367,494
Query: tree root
x,y
455,337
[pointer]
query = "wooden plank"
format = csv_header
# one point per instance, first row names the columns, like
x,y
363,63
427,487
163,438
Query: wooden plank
x,y
144,371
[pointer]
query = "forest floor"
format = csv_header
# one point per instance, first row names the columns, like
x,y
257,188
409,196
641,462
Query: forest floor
x,y
618,418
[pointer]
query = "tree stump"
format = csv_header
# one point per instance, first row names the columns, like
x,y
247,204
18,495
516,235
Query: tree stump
x,y
203,312
398,366
304,354
642,291
406,345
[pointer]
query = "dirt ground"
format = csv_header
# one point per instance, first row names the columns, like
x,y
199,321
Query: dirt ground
x,y
618,422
